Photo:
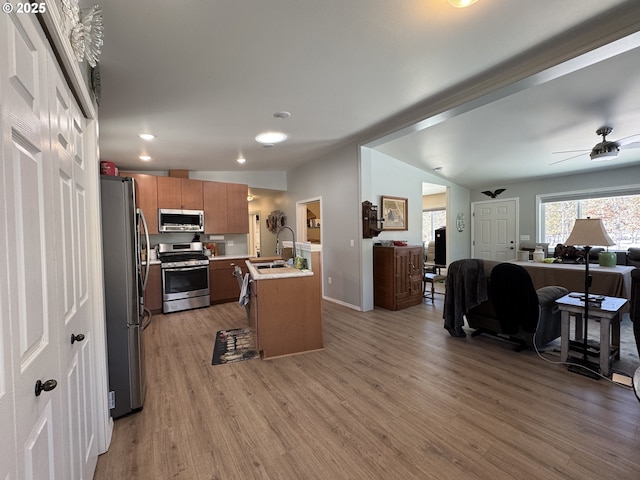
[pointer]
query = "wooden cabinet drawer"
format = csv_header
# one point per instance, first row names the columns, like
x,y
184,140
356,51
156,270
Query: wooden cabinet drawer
x,y
230,263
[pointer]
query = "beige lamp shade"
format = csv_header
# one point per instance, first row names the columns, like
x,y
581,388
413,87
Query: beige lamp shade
x,y
589,232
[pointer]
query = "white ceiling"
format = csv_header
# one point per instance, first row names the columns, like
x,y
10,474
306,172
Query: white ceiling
x,y
206,76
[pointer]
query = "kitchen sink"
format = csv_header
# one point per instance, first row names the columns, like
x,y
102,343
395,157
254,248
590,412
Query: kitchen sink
x,y
269,265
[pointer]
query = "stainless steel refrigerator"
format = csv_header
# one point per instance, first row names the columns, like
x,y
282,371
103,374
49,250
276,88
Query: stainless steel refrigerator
x,y
125,276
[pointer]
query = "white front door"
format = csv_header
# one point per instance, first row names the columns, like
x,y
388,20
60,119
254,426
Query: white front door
x,y
494,229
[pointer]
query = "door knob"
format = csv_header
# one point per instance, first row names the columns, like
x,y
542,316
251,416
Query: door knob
x,y
76,338
46,386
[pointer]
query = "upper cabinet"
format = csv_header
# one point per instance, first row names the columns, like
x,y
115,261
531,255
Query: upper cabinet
x,y
226,209
147,198
225,205
180,193
237,208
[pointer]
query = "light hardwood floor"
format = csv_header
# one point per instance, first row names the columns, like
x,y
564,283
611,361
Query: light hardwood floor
x,y
392,396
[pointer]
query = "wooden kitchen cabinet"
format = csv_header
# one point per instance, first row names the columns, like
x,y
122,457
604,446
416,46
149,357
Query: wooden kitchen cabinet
x,y
179,193
286,315
147,198
237,208
397,276
226,209
153,292
214,195
223,286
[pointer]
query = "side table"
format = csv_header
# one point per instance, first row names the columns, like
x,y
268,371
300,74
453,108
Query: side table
x,y
608,312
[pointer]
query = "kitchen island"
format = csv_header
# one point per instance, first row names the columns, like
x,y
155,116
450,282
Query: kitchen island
x,y
285,308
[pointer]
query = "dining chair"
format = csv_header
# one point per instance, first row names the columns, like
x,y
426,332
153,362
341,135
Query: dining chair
x,y
431,273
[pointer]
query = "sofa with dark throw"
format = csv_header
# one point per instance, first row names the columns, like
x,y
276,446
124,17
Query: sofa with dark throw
x,y
499,299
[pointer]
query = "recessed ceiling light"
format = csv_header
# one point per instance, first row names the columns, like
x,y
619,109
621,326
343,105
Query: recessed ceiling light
x,y
144,158
147,136
241,160
437,169
271,138
282,114
462,3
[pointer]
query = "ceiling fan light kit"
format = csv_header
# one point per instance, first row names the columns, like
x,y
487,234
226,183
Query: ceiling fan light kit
x,y
606,150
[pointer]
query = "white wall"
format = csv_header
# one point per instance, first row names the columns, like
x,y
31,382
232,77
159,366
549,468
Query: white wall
x,y
605,177
270,180
333,177
385,175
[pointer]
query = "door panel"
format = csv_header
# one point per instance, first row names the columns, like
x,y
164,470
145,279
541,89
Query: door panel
x,y
31,305
44,289
8,453
67,137
494,230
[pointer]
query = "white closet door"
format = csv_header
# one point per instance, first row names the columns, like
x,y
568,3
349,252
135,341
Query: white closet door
x,y
29,225
45,285
75,301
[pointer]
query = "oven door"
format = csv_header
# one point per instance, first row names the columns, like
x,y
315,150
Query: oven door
x,y
185,282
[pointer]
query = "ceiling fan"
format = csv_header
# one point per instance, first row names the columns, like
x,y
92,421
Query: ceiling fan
x,y
606,149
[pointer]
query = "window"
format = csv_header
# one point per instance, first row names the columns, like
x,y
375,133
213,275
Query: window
x,y
620,215
432,219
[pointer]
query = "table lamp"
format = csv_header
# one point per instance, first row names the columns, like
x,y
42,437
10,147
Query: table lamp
x,y
587,232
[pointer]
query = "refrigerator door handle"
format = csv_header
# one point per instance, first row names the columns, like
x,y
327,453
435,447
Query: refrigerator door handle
x,y
146,236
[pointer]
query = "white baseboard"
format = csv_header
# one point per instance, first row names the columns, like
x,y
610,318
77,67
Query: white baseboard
x,y
344,304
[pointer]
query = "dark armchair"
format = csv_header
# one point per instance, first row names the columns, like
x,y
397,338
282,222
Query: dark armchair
x,y
515,310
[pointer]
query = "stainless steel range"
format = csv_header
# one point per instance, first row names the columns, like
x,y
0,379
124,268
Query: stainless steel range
x,y
185,276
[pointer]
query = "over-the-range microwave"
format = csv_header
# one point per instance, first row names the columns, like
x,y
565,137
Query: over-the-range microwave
x,y
172,220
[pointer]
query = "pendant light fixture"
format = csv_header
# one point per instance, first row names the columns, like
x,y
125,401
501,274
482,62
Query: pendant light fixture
x,y
462,3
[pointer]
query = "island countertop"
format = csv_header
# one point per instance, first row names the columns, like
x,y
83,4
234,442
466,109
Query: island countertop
x,y
274,273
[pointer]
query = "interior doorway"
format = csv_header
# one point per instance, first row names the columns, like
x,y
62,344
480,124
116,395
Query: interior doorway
x,y
254,233
309,217
434,210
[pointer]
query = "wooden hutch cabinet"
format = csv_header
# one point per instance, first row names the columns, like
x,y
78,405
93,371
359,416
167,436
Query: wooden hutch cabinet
x,y
397,276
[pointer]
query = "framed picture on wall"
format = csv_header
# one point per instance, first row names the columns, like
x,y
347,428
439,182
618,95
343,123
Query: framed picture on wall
x,y
394,213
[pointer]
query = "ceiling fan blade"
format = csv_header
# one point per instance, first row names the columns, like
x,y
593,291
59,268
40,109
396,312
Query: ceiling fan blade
x,y
571,151
568,158
628,140
631,145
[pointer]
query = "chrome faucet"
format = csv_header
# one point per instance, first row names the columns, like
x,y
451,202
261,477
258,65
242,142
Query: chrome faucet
x,y
278,240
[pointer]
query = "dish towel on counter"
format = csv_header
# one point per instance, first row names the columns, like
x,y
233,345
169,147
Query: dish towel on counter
x,y
244,291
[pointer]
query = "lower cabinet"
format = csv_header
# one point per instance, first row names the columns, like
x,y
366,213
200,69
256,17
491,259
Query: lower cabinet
x,y
153,292
397,276
286,315
223,286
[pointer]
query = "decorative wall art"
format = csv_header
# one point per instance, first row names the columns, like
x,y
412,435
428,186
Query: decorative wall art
x,y
394,213
275,220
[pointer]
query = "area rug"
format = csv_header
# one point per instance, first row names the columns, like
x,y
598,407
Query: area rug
x,y
233,345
